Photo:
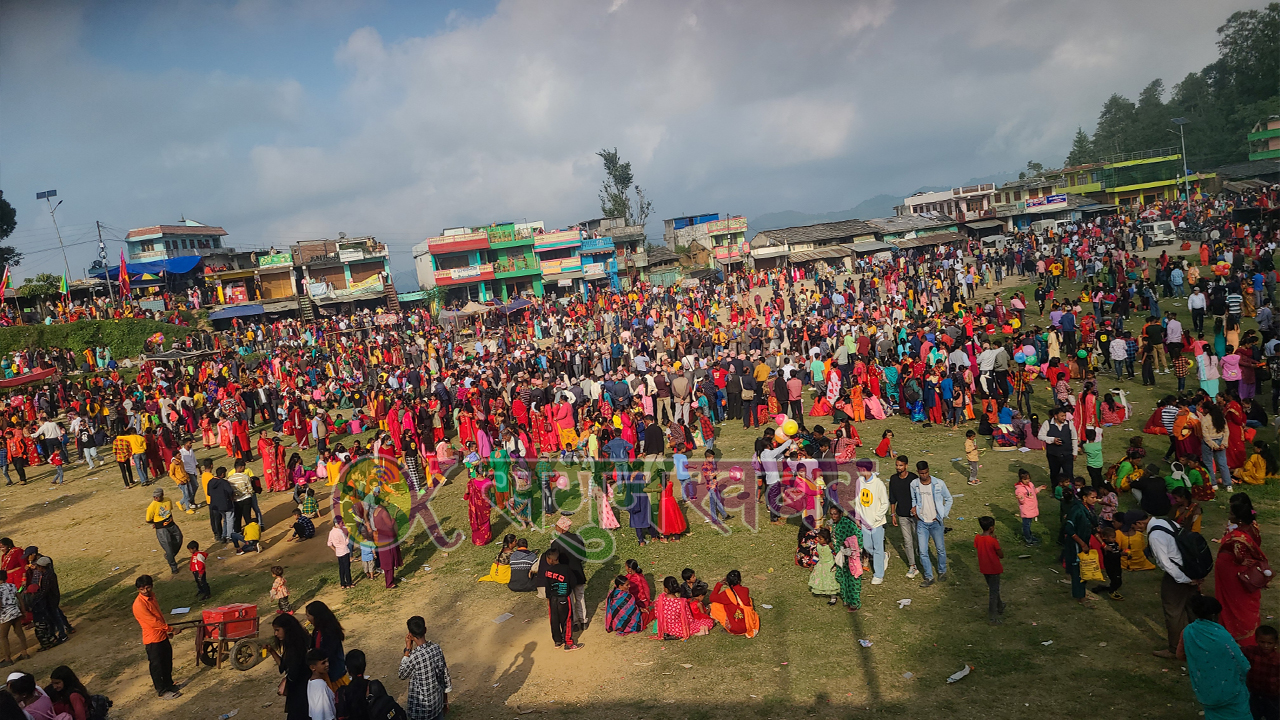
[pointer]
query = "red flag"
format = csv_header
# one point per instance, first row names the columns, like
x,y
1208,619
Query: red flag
x,y
124,277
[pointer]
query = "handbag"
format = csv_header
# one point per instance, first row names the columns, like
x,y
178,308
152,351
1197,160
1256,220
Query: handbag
x,y
1090,567
1256,577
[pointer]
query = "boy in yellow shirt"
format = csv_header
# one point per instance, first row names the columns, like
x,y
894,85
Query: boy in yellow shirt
x,y
184,482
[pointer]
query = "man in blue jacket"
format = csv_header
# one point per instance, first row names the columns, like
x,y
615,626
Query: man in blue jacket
x,y
930,505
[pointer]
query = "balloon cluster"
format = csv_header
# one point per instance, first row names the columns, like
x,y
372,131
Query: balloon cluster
x,y
1026,355
787,428
1222,268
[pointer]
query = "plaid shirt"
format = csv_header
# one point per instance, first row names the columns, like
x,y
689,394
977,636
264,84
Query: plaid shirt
x,y
1133,348
1181,366
428,678
123,450
1264,671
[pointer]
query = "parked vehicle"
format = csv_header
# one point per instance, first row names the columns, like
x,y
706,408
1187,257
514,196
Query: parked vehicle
x,y
1161,232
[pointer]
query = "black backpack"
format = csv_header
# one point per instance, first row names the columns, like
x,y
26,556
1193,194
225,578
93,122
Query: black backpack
x,y
382,706
1197,558
99,706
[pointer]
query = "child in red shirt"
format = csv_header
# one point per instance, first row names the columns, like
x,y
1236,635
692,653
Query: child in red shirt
x,y
989,557
197,570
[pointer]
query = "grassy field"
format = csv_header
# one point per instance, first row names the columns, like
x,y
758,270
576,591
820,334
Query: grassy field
x,y
1048,655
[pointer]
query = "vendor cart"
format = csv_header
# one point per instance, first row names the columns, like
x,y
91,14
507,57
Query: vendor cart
x,y
228,634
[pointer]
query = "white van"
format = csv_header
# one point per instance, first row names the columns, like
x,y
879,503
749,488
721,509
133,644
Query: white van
x,y
1161,232
1042,227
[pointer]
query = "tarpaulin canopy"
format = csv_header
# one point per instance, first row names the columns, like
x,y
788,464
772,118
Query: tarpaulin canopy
x,y
227,313
178,265
514,305
475,307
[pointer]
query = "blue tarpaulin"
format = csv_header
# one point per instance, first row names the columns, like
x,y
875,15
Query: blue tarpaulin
x,y
514,305
178,265
237,311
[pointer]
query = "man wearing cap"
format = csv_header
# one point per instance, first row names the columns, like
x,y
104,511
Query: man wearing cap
x,y
155,638
160,515
572,550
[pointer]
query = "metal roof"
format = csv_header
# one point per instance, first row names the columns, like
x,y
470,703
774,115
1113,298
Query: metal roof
x,y
983,224
820,254
907,223
869,246
930,240
823,232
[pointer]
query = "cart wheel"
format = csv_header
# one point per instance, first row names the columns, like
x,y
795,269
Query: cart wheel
x,y
209,653
244,654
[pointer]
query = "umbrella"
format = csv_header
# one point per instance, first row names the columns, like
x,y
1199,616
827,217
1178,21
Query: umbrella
x,y
475,307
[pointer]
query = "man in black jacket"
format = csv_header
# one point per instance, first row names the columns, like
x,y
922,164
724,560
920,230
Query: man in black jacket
x,y
654,441
222,501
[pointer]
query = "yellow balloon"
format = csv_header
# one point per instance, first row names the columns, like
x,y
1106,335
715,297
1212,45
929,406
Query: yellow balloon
x,y
790,427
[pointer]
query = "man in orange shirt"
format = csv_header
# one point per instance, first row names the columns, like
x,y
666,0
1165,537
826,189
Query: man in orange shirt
x,y
155,637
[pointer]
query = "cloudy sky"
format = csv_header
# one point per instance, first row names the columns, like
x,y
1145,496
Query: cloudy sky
x,y
284,120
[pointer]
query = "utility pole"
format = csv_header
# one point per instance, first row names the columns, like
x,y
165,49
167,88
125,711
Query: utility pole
x,y
102,255
1186,181
48,197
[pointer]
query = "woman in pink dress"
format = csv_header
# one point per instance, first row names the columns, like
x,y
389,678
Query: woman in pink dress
x,y
674,617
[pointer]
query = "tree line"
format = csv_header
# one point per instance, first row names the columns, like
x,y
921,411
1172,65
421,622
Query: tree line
x,y
1221,103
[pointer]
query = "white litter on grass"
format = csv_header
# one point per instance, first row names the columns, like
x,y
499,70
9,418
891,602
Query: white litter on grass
x,y
685,665
503,618
956,495
907,675
864,643
766,607
1047,642
903,603
955,459
960,674
1024,449
180,611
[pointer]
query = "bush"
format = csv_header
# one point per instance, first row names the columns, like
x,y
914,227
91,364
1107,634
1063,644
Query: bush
x,y
124,337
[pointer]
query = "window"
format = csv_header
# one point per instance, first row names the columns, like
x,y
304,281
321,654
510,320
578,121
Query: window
x,y
1033,193
1017,196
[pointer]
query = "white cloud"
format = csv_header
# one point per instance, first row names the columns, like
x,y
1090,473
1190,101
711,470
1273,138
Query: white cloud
x,y
743,105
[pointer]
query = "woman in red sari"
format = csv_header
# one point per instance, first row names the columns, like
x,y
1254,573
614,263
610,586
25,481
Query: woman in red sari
x,y
671,522
637,585
731,606
674,618
11,563
478,507
1234,414
1240,553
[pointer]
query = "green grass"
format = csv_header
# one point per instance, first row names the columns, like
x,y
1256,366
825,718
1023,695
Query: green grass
x,y
806,662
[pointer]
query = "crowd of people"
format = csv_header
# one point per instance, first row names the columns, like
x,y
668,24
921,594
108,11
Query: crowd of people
x,y
636,387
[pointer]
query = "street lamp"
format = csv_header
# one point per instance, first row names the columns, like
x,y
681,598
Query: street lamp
x,y
1186,181
48,196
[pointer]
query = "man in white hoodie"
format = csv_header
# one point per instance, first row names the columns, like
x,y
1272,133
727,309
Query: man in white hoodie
x,y
870,506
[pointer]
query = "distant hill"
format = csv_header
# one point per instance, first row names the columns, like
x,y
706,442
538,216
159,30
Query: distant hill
x,y
879,206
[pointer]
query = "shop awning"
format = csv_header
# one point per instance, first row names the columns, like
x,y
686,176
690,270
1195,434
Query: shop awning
x,y
280,306
983,224
515,305
929,240
769,251
825,253
234,311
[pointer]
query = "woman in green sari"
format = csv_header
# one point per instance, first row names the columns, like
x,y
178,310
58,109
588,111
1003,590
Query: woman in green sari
x,y
1215,663
842,528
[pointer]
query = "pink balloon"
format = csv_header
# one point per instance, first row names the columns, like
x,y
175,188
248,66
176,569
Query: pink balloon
x,y
780,418
562,482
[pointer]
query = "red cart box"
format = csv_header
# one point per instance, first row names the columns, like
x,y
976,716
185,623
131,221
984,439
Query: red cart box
x,y
240,619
